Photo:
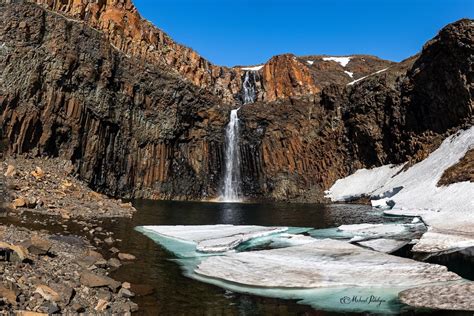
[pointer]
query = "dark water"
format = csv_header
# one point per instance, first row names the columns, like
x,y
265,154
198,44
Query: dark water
x,y
175,294
178,295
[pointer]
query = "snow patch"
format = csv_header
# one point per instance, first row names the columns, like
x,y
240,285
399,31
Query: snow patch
x,y
343,61
350,74
254,68
310,62
372,74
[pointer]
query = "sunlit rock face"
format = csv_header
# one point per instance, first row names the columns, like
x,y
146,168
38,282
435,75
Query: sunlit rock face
x,y
141,116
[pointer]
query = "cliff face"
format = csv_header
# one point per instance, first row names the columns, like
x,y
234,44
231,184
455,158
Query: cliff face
x,y
130,128
282,76
141,116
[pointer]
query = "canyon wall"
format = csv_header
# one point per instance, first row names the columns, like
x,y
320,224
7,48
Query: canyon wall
x,y
80,80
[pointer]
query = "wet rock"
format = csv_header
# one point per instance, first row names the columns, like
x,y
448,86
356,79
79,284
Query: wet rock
x,y
126,257
126,293
109,241
114,263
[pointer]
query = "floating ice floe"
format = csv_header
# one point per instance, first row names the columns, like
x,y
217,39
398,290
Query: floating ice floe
x,y
343,61
326,274
323,263
384,244
213,238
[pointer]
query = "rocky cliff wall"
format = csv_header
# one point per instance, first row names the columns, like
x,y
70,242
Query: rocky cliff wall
x,y
281,77
135,127
130,128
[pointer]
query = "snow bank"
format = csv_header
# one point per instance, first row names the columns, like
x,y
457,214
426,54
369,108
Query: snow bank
x,y
310,62
362,182
254,68
448,210
343,61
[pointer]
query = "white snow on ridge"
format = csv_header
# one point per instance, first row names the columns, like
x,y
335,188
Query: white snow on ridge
x,y
357,80
343,61
310,62
254,68
350,74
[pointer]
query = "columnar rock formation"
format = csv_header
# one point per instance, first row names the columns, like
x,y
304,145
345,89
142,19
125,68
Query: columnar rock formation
x,y
142,116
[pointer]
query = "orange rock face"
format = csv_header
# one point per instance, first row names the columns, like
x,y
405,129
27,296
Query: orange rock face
x,y
282,76
285,76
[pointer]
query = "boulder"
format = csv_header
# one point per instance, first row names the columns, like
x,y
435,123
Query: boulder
x,y
48,293
90,279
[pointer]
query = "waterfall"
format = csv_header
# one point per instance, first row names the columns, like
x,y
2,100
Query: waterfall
x,y
232,182
248,87
231,190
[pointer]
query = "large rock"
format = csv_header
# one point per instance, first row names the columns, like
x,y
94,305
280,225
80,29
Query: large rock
x,y
91,279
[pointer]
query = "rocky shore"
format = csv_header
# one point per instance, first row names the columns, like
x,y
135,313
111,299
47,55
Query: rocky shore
x,y
46,186
49,273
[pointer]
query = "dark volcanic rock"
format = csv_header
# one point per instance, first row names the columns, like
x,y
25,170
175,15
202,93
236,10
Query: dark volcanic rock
x,y
130,128
142,121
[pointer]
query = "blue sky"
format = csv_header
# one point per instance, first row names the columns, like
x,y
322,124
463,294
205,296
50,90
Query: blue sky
x,y
248,32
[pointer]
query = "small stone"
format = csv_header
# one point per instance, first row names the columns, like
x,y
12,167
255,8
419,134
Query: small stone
x,y
101,305
114,263
38,173
109,241
10,171
126,293
126,285
78,308
126,257
19,202
114,250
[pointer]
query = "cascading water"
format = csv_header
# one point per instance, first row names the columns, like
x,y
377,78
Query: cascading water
x,y
231,189
248,87
232,181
